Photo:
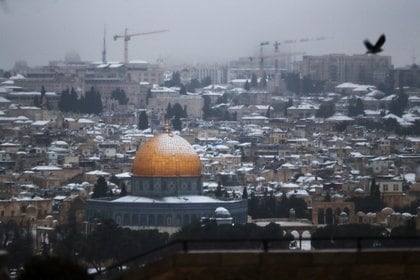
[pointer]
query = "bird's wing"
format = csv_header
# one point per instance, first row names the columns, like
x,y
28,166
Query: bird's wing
x,y
380,41
368,45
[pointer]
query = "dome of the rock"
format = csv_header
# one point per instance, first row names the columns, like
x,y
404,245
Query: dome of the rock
x,y
167,155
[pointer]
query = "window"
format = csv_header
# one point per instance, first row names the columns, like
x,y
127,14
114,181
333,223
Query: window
x,y
151,220
385,187
160,220
135,220
143,220
396,188
168,220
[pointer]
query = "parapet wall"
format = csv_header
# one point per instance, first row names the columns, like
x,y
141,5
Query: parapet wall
x,y
351,264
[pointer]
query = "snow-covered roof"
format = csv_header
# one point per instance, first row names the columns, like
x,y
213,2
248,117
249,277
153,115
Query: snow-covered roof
x,y
4,100
389,97
123,175
169,199
40,123
303,106
138,62
46,168
339,117
81,120
298,193
17,77
98,173
355,87
290,186
32,93
59,143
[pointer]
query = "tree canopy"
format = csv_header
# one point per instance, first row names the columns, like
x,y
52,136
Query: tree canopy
x,y
90,103
326,110
399,103
355,107
119,94
100,189
143,121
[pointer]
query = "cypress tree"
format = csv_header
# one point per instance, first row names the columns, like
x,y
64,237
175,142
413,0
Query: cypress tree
x,y
143,121
245,193
100,188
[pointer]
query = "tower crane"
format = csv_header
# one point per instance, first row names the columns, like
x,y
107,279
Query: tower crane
x,y
127,38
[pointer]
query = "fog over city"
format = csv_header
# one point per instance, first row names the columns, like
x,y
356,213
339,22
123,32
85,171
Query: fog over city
x,y
202,31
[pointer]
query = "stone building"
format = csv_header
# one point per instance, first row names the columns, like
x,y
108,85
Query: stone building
x,y
166,190
24,210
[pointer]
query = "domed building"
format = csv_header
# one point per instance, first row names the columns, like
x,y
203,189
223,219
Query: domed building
x,y
166,189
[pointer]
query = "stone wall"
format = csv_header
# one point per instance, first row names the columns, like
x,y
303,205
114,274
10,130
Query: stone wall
x,y
341,265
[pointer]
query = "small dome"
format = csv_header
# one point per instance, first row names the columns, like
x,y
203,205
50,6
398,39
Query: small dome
x,y
406,215
343,215
387,211
30,209
360,214
167,155
221,212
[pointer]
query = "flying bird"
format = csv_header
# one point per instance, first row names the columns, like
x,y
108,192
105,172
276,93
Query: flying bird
x,y
373,49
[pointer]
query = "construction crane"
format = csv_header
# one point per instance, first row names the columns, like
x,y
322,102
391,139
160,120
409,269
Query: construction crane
x,y
276,50
262,44
302,40
127,38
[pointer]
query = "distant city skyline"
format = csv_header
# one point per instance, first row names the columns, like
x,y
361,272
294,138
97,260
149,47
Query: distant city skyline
x,y
202,31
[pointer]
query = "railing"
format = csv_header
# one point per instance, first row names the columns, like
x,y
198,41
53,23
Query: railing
x,y
355,244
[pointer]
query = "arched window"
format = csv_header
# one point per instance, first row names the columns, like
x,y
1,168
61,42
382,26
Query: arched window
x,y
168,220
118,219
126,220
151,220
329,217
135,219
177,220
321,217
143,220
186,220
160,221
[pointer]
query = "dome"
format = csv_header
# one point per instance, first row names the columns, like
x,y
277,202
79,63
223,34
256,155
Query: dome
x,y
387,211
30,209
221,212
360,214
167,155
344,215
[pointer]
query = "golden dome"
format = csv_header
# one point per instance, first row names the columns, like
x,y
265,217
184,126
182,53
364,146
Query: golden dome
x,y
167,155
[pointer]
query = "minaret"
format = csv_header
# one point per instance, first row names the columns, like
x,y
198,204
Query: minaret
x,y
104,49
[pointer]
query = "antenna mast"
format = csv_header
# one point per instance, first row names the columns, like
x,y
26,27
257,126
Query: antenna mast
x,y
104,48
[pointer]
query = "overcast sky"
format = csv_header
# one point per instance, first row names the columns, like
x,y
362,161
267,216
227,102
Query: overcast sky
x,y
202,31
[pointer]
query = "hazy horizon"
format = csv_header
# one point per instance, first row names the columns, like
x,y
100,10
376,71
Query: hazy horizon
x,y
203,31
